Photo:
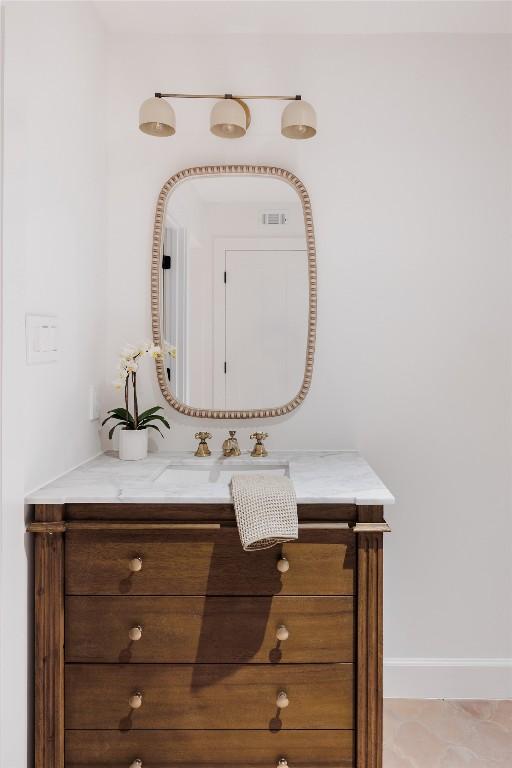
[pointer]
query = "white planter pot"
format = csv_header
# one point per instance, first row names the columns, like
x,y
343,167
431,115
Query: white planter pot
x,y
133,444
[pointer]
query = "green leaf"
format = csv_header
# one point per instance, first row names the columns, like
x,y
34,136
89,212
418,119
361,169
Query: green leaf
x,y
162,419
152,418
119,424
122,413
121,421
152,426
149,411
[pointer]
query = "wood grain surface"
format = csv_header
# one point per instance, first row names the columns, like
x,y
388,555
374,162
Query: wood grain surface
x,y
369,651
209,696
166,749
49,644
197,512
208,562
210,629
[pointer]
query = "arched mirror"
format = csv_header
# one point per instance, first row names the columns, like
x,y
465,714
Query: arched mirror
x,y
233,291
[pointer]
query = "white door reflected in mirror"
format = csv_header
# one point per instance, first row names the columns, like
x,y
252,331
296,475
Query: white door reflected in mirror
x,y
235,290
266,291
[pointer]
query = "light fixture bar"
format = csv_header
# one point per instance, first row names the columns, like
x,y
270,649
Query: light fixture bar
x,y
230,117
222,96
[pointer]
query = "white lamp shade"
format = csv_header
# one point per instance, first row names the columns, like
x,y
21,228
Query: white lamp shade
x,y
227,119
298,120
156,117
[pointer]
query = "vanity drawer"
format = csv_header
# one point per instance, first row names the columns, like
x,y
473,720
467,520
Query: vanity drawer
x,y
207,563
209,696
156,749
209,629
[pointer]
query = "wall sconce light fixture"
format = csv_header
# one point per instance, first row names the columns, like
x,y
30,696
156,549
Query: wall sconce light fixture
x,y
230,116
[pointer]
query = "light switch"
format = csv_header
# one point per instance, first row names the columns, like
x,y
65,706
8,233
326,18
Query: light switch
x,y
41,338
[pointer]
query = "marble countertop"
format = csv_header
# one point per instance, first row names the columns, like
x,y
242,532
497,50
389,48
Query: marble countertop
x,y
319,477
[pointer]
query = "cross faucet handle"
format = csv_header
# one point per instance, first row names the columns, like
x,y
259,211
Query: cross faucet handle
x,y
202,448
259,449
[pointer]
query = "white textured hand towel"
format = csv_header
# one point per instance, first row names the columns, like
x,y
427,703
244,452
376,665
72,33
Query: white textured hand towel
x,y
266,510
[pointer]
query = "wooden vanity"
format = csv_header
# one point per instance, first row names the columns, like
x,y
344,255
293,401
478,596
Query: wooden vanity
x,y
159,642
157,638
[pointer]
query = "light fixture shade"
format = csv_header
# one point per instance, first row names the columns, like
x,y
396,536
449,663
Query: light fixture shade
x,y
298,120
228,120
157,118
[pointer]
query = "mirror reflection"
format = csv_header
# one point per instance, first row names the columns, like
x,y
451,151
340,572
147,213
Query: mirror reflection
x,y
235,292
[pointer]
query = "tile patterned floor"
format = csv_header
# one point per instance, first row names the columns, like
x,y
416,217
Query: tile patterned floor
x,y
447,734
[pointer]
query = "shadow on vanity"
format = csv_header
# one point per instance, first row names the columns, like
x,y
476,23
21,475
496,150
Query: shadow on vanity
x,y
237,607
248,599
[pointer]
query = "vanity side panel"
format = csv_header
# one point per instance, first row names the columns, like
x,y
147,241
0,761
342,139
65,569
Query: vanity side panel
x,y
49,642
370,513
369,650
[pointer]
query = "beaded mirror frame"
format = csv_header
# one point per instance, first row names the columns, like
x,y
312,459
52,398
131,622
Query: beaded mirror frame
x,y
156,293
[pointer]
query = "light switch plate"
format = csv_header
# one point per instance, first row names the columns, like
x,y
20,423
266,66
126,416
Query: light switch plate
x,y
41,339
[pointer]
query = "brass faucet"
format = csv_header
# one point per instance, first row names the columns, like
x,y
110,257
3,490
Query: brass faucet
x,y
202,448
259,449
230,445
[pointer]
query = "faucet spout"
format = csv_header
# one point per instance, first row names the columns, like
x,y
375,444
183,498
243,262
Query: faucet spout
x,y
230,445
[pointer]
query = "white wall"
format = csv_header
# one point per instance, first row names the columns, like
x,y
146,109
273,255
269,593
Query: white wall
x,y
410,179
410,183
53,263
243,219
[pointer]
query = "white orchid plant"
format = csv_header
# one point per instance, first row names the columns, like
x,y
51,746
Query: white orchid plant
x,y
129,362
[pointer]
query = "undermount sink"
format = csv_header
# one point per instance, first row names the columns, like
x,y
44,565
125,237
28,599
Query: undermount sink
x,y
217,473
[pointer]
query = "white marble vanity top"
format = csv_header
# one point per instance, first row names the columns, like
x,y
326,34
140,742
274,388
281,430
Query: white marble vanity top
x,y
319,477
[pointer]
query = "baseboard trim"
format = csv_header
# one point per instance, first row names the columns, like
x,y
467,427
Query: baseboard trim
x,y
419,678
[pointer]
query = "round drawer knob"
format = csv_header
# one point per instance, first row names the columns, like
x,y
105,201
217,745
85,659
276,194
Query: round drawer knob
x,y
137,763
282,700
135,633
135,564
135,700
283,565
282,762
282,633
